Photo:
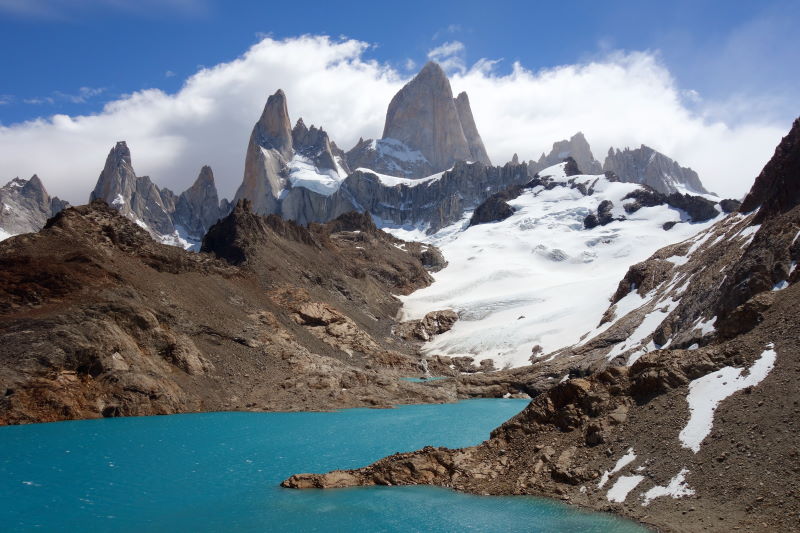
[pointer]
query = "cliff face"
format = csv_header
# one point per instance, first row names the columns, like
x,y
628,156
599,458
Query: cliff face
x,y
424,117
428,204
678,408
100,320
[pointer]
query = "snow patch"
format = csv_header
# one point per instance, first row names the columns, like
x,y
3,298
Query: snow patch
x,y
624,485
706,393
392,181
623,461
676,488
303,173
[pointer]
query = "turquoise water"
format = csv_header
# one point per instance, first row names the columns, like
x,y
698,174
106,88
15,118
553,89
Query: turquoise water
x,y
424,380
220,472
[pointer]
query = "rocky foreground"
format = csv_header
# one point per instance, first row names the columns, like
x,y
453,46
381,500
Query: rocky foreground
x,y
682,411
98,319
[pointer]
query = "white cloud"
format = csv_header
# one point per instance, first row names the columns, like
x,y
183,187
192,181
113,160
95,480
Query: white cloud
x,y
622,99
169,74
449,55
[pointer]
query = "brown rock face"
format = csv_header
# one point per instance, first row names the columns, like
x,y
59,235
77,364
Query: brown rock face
x,y
777,188
424,116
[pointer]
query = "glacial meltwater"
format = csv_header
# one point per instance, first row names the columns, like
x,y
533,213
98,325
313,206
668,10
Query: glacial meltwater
x,y
220,472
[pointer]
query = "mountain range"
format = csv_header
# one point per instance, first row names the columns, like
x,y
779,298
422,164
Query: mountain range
x,y
428,169
651,323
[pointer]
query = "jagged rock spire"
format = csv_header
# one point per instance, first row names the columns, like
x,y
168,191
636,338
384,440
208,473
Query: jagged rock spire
x,y
273,129
476,148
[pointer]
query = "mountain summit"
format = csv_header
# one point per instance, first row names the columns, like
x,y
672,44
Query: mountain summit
x,y
425,117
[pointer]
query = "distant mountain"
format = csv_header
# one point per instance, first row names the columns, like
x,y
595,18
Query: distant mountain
x,y
25,206
170,219
426,171
649,167
577,147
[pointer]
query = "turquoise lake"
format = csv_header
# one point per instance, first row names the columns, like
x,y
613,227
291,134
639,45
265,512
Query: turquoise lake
x,y
220,472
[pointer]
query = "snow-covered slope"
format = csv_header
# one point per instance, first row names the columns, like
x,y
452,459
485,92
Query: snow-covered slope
x,y
539,277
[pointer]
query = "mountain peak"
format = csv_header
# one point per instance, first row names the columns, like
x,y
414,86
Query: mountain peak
x,y
424,116
273,129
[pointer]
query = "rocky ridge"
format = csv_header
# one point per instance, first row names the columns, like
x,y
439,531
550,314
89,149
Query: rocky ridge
x,y
649,167
98,319
171,219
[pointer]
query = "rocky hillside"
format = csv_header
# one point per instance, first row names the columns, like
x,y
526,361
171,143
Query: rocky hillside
x,y
682,405
98,319
25,206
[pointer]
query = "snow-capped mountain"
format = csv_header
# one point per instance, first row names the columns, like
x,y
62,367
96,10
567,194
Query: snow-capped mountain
x,y
25,206
169,218
538,277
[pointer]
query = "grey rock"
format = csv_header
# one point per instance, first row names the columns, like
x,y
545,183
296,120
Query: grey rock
x,y
646,166
426,130
577,147
136,197
198,207
476,148
25,206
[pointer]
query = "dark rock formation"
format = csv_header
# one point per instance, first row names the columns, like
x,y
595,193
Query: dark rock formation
x,y
777,188
646,166
495,208
432,324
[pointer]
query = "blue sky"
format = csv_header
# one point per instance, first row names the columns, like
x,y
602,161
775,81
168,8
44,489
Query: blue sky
x,y
72,56
713,85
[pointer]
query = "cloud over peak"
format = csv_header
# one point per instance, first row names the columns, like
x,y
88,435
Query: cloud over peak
x,y
621,99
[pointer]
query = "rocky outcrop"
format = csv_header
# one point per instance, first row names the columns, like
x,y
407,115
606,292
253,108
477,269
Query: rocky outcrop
x,y
134,196
477,150
432,324
25,206
648,167
777,189
577,147
268,151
